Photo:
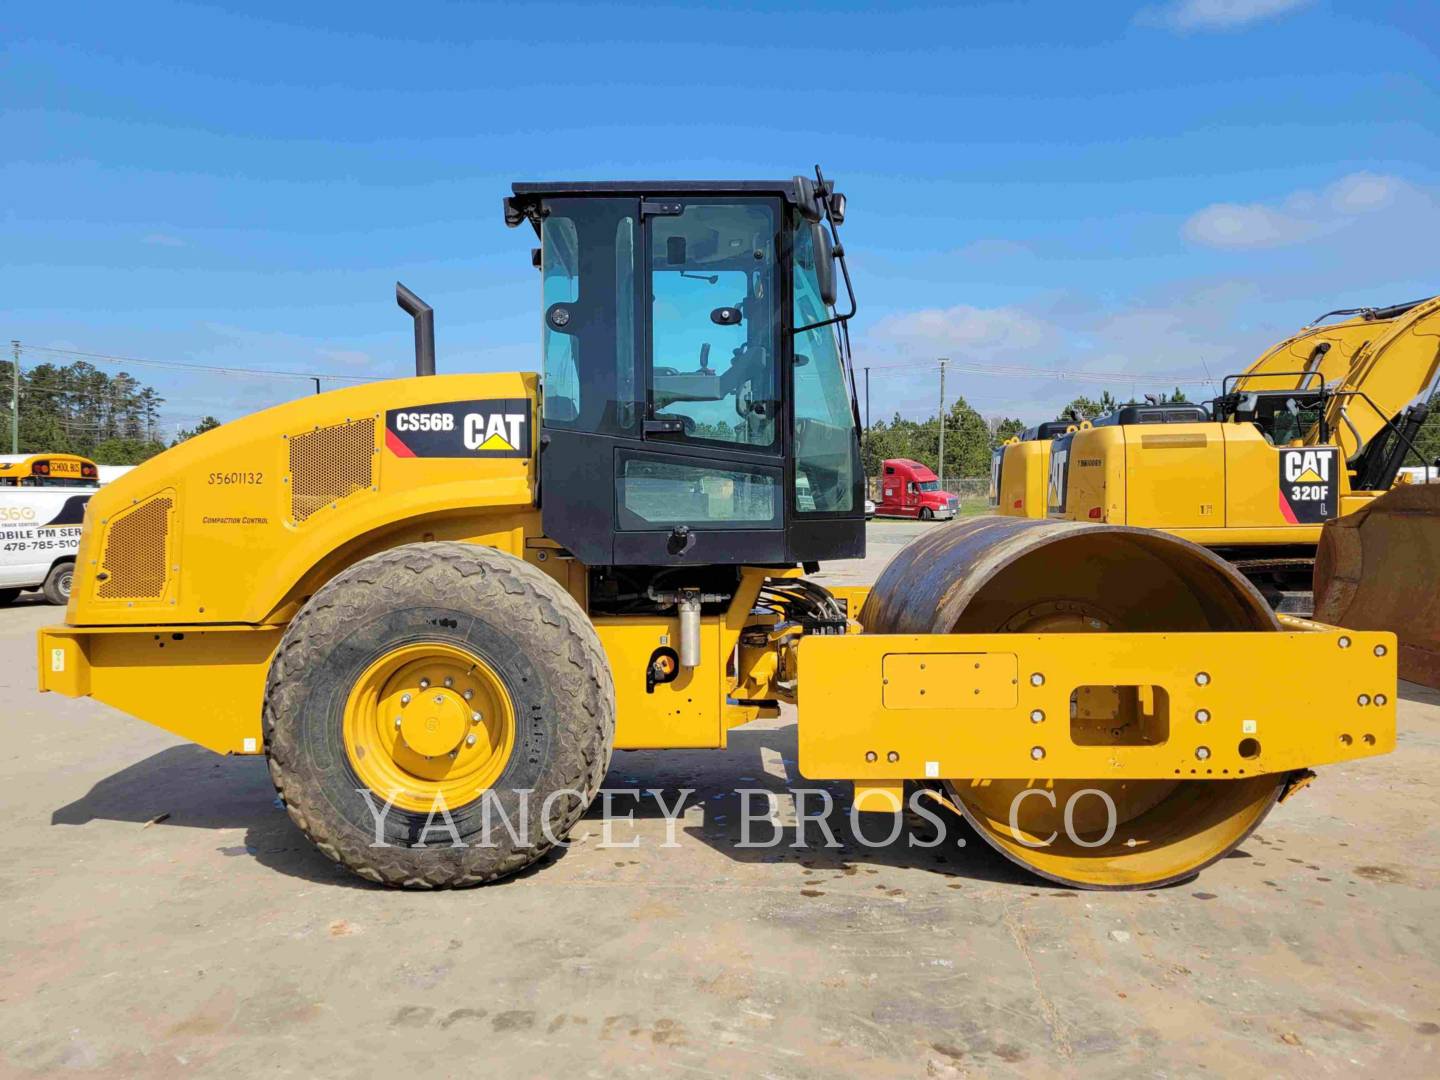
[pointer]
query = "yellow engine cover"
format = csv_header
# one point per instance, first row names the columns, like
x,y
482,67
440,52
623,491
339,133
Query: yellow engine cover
x,y
237,525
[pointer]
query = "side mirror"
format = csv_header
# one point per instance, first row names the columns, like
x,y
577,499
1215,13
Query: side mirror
x,y
805,200
837,207
824,263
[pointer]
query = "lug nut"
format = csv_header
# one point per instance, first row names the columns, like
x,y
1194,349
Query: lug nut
x,y
474,717
870,755
469,740
1202,753
452,755
469,694
449,681
397,723
1037,716
1202,678
1037,752
404,700
1380,699
1344,642
424,684
1379,650
1037,679
1363,699
1202,716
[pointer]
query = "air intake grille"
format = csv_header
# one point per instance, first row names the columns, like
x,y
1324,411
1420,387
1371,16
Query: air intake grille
x,y
329,464
135,561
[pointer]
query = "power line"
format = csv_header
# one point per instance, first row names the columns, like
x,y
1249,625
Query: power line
x,y
204,369
1019,371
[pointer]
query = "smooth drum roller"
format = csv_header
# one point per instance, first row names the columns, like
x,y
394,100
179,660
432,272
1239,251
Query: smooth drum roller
x,y
1019,575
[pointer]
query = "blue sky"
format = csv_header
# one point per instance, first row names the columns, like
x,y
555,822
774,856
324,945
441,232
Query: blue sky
x,y
1096,187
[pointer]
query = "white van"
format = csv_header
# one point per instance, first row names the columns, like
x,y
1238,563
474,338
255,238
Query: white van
x,y
42,507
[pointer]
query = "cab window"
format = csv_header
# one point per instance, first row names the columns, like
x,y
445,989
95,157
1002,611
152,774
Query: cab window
x,y
826,446
712,321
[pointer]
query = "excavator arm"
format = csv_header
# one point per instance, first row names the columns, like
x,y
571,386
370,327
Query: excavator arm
x,y
1385,395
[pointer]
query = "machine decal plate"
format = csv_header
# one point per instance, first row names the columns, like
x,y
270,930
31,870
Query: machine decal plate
x,y
1307,484
495,427
1059,486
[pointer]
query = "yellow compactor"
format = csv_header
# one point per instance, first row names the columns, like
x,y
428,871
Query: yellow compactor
x,y
452,594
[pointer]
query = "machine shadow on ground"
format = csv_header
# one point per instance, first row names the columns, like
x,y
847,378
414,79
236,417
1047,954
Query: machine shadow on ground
x,y
190,787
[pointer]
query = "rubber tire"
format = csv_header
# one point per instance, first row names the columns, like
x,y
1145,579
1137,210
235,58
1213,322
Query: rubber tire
x,y
8,596
57,583
521,622
926,514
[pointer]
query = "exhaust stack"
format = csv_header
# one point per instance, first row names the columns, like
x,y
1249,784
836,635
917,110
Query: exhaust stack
x,y
424,316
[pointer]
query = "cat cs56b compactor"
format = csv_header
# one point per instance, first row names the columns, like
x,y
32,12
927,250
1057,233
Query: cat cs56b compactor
x,y
464,591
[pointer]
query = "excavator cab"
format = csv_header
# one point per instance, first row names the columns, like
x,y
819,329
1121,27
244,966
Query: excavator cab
x,y
698,406
1286,415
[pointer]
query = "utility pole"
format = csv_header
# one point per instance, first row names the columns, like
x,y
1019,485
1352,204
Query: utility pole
x,y
15,398
940,472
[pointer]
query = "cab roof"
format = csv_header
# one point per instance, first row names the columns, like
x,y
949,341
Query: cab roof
x,y
532,191
529,193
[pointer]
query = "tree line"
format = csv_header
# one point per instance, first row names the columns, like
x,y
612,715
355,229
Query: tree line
x,y
78,409
969,437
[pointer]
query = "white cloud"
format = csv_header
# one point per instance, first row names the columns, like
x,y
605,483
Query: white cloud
x,y
1186,15
1297,217
1074,343
162,240
965,328
1359,192
1232,225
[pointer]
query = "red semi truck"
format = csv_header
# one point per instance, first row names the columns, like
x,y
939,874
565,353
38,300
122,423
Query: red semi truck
x,y
910,489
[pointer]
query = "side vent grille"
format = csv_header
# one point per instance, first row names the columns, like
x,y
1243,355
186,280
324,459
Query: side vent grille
x,y
136,559
329,464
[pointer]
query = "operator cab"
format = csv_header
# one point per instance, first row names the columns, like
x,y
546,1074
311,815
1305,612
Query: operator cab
x,y
1283,415
698,403
1046,430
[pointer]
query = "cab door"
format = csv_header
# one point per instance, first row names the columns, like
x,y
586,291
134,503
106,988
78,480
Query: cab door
x,y
713,434
664,435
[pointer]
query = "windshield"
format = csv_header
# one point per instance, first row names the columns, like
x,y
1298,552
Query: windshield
x,y
929,485
827,467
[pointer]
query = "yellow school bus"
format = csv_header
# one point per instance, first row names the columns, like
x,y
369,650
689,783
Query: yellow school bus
x,y
47,470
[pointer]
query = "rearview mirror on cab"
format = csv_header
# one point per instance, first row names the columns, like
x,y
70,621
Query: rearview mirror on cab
x,y
824,263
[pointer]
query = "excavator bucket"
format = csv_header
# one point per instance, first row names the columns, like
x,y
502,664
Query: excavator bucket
x,y
1379,569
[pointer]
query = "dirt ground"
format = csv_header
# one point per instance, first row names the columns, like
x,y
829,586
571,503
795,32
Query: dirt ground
x,y
162,917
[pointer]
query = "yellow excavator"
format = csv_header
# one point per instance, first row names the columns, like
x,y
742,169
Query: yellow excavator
x,y
1315,429
1020,467
436,605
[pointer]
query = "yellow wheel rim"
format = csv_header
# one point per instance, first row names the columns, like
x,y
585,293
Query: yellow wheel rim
x,y
429,725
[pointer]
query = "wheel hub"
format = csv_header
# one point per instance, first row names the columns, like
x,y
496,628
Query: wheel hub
x,y
433,724
429,722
